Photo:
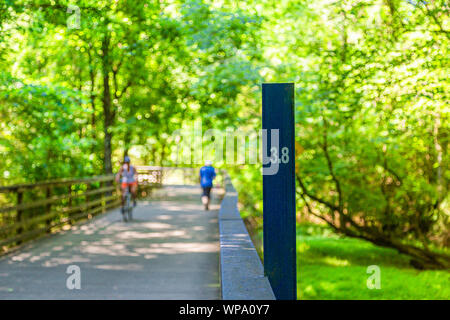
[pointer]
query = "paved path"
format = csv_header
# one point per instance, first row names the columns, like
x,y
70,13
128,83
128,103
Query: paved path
x,y
169,251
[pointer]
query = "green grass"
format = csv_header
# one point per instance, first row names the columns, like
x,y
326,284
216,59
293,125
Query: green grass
x,y
333,267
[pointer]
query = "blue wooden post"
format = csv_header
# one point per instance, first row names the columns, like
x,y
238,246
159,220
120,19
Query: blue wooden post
x,y
279,189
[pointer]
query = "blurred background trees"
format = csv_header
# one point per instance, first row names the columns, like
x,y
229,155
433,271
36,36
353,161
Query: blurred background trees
x,y
372,96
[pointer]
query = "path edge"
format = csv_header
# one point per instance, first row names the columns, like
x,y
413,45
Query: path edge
x,y
241,271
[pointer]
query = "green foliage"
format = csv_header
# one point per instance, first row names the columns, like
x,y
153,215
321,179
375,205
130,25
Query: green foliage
x,y
371,115
332,267
41,130
134,71
371,99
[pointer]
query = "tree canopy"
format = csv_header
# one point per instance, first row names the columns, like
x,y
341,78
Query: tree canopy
x,y
83,84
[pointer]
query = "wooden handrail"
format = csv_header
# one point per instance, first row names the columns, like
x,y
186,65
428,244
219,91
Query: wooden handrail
x,y
28,219
54,199
61,222
57,182
66,210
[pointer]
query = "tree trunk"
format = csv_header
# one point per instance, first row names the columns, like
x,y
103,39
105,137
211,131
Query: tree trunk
x,y
422,258
92,91
126,141
108,114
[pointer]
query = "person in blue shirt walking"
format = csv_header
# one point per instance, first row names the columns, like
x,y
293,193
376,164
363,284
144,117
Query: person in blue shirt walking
x,y
207,175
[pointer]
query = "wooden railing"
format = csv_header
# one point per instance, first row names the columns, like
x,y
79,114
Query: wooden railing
x,y
175,175
38,208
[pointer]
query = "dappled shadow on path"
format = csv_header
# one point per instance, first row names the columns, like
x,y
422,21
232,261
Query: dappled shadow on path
x,y
169,251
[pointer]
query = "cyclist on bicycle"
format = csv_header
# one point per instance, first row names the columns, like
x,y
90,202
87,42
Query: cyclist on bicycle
x,y
129,179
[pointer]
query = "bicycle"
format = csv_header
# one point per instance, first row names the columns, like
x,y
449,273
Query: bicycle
x,y
127,207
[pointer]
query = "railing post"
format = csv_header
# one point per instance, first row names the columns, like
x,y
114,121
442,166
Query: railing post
x,y
48,207
19,211
102,196
279,221
69,202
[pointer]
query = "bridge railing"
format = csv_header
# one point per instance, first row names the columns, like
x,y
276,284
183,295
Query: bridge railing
x,y
34,209
174,175
241,271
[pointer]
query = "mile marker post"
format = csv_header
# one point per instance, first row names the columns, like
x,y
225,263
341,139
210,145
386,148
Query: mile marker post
x,y
279,223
